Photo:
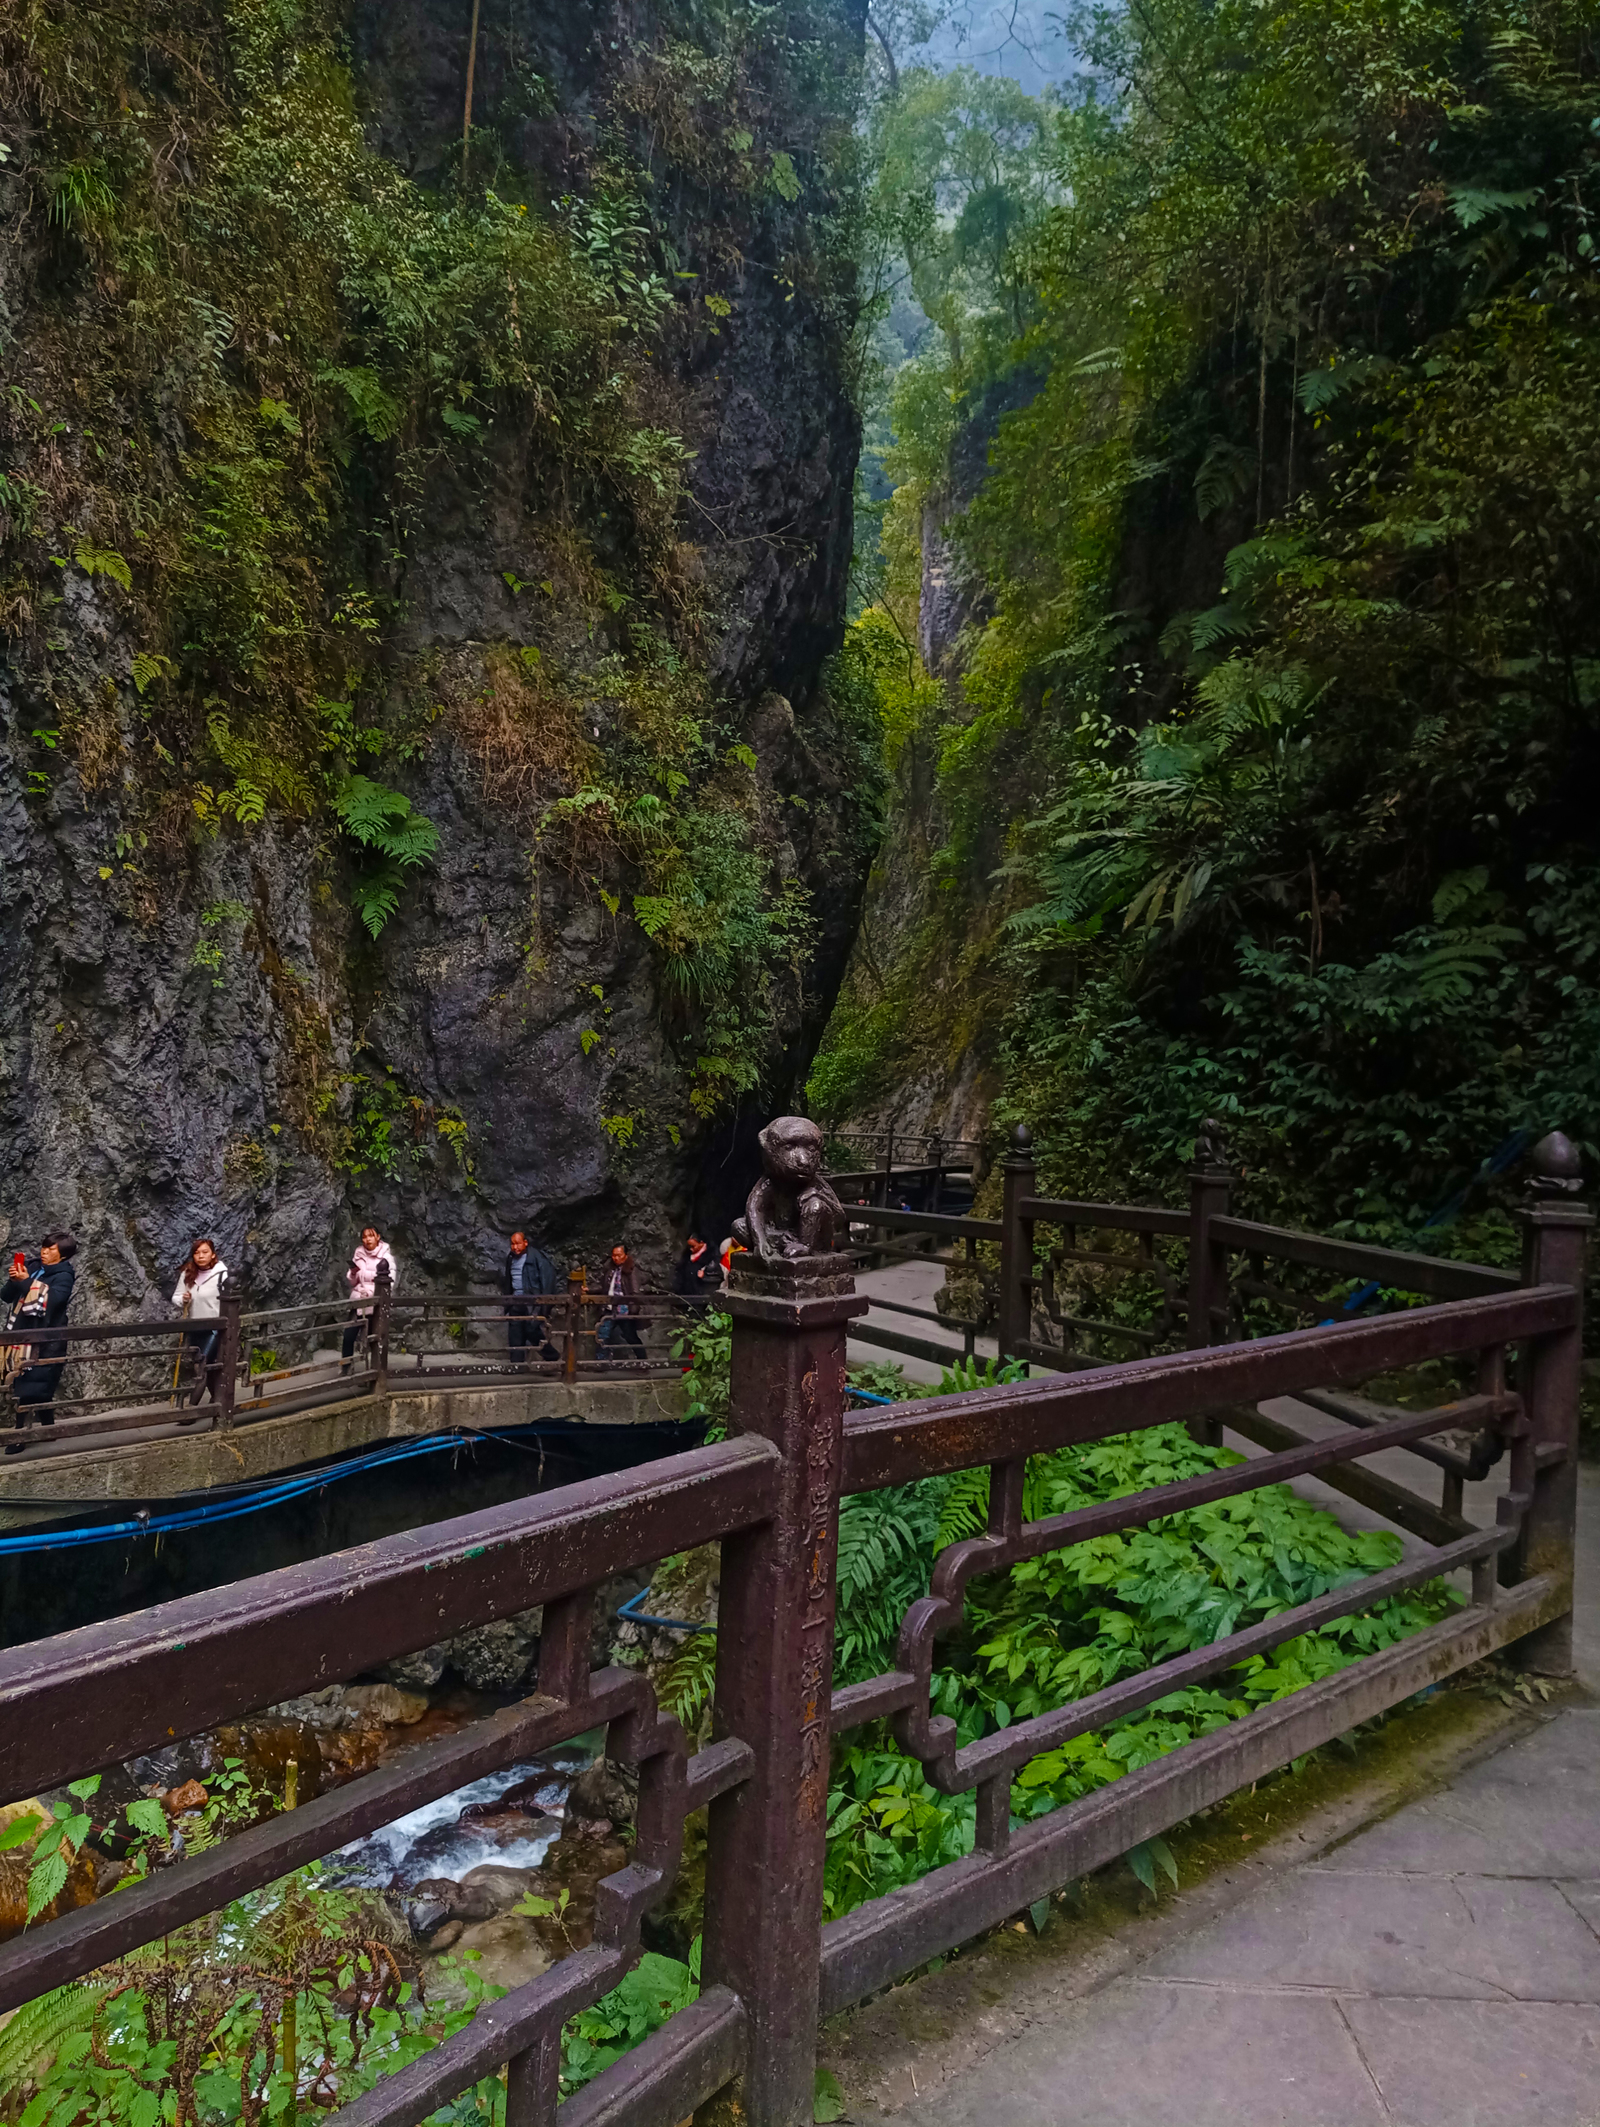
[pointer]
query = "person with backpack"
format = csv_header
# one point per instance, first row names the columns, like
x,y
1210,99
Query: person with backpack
x,y
40,1294
528,1271
198,1294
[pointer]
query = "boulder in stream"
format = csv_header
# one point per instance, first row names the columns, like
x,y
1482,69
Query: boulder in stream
x,y
506,1951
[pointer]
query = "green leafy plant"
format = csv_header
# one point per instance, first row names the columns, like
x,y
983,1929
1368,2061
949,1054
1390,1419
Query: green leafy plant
x,y
705,1340
382,822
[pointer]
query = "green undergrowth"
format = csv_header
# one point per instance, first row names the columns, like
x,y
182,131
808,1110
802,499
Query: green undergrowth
x,y
1058,1628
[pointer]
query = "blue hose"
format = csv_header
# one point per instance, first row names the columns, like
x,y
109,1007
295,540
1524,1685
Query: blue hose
x,y
208,1511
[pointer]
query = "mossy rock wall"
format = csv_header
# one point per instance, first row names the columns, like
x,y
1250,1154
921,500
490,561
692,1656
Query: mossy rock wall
x,y
421,795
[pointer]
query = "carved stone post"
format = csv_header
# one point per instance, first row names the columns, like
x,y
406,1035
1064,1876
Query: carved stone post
x,y
1020,1180
1209,1181
1556,1225
774,1676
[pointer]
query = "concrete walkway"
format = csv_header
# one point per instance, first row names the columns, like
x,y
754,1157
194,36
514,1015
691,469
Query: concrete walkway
x,y
1441,1969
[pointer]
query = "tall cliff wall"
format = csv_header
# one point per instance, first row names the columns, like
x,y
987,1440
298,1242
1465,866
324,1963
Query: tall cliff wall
x,y
339,480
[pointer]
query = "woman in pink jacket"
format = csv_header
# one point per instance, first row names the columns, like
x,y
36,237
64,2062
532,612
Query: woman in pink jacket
x,y
362,1279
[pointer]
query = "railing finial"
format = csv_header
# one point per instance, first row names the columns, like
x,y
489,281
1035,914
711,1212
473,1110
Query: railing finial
x,y
1211,1143
1557,1167
1022,1142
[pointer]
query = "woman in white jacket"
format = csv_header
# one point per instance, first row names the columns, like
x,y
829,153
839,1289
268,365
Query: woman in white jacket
x,y
362,1279
198,1293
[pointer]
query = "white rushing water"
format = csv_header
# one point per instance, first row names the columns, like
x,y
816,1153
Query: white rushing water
x,y
434,1840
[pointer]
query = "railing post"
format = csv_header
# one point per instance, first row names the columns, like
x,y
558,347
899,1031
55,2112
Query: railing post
x,y
774,1676
1019,1180
577,1280
378,1328
1209,1181
230,1308
1556,1225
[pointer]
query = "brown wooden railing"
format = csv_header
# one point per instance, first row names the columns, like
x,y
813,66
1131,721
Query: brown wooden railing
x,y
273,1362
87,1699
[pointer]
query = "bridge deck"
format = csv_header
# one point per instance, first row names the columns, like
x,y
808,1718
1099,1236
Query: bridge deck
x,y
161,1460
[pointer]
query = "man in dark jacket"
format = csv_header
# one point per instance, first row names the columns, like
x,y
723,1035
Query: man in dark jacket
x,y
40,1292
528,1271
699,1274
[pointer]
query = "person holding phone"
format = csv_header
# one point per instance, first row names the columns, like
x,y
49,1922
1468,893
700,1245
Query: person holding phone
x,y
41,1293
362,1279
198,1294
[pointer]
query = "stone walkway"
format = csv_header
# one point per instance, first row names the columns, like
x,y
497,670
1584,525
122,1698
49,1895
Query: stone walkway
x,y
1439,1970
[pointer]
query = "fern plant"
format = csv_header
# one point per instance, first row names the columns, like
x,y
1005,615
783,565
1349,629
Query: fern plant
x,y
689,1679
398,838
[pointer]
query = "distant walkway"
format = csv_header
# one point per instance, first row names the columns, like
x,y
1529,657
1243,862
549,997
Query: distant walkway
x,y
910,1285
1438,1967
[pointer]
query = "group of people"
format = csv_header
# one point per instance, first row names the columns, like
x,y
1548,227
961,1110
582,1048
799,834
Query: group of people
x,y
39,1290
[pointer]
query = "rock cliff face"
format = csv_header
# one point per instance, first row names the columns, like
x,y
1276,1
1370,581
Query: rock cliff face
x,y
197,1035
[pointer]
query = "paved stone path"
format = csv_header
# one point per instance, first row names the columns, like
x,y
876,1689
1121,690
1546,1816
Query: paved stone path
x,y
1439,1970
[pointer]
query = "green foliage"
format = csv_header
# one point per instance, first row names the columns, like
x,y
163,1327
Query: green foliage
x,y
706,1341
1058,1628
1287,551
687,1682
59,1844
394,1131
190,2028
657,1988
382,822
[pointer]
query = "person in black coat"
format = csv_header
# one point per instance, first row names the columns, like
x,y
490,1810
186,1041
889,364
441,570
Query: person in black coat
x,y
528,1271
699,1274
40,1293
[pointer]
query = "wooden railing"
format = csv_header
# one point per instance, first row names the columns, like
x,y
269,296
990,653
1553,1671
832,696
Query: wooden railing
x,y
1199,1267
276,1361
84,1700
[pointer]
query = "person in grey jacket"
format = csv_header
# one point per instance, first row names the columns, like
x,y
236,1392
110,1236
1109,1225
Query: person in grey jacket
x,y
528,1272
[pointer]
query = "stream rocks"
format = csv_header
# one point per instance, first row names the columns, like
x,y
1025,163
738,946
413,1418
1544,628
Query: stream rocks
x,y
494,1657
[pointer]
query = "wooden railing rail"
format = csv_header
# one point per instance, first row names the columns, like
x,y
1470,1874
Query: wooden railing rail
x,y
770,1496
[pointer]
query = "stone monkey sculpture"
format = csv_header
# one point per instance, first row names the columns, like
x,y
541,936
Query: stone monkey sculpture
x,y
792,1210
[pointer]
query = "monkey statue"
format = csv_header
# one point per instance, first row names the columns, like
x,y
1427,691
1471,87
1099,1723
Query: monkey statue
x,y
792,1210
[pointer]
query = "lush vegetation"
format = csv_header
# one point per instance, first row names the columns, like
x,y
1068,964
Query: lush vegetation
x,y
1054,1629
1268,452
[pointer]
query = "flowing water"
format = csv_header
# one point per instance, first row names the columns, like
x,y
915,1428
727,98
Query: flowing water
x,y
441,1840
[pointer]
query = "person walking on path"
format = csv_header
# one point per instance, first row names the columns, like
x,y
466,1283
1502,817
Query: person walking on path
x,y
198,1293
41,1292
699,1274
622,1291
362,1279
528,1271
